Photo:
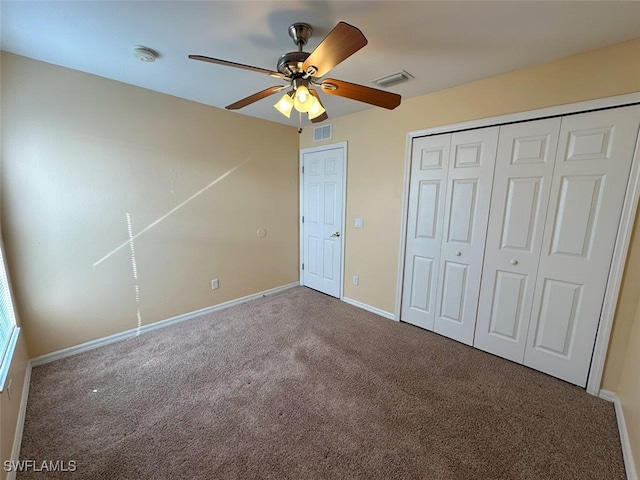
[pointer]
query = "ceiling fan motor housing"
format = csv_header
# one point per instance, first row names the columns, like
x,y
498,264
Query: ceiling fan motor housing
x,y
290,64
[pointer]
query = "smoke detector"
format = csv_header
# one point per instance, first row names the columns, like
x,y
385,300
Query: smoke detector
x,y
145,54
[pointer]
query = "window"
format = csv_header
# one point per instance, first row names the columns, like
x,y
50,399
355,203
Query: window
x,y
8,329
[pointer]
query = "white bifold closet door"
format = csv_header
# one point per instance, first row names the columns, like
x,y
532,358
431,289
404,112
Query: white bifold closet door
x,y
557,199
449,193
466,212
521,188
429,166
515,259
592,166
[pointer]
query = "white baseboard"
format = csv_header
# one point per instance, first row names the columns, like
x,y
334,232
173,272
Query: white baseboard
x,y
100,342
624,435
369,308
17,438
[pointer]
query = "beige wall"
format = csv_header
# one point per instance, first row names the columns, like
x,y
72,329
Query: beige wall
x,y
81,152
376,153
628,388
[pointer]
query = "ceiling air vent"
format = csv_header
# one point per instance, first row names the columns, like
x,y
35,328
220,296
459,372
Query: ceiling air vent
x,y
322,133
393,79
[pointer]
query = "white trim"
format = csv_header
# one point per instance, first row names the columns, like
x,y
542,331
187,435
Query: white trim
x,y
403,224
369,308
620,250
300,210
17,438
558,110
100,342
320,148
627,453
624,232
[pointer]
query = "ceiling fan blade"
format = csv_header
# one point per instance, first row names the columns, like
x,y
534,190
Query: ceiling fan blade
x,y
341,42
324,116
217,61
255,97
369,95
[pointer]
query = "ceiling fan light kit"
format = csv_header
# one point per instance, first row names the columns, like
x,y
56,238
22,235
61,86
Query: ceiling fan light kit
x,y
303,69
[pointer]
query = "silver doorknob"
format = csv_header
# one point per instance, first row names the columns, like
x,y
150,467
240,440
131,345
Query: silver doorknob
x,y
458,253
337,234
514,262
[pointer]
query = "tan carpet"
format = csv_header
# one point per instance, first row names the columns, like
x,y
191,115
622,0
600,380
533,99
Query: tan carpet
x,y
301,385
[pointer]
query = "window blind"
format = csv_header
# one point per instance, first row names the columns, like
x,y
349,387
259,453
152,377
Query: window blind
x,y
8,330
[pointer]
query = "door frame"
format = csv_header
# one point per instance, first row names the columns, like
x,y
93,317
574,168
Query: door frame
x,y
625,227
303,151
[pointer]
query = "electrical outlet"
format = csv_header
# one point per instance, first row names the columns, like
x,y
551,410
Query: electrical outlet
x,y
359,223
356,280
214,284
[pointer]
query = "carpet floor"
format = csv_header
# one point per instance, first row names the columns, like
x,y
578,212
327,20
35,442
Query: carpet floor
x,y
300,385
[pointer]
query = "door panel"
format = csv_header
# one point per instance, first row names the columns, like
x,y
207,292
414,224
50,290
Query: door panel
x,y
557,315
429,165
591,172
311,265
462,210
323,214
521,212
468,193
506,314
421,284
521,188
576,216
454,289
427,212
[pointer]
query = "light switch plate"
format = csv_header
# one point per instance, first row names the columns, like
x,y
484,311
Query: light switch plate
x,y
359,223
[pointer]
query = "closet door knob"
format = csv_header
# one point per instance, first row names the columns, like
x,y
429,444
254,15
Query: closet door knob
x,y
458,253
514,262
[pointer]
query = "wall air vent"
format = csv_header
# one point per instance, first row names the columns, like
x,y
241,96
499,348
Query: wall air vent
x,y
322,133
393,79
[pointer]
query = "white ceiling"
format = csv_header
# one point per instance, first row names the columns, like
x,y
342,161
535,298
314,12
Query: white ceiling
x,y
442,44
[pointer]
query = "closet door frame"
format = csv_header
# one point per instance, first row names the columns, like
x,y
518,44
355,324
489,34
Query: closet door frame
x,y
625,228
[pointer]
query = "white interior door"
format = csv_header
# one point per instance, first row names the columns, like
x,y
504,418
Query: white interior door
x,y
521,187
323,218
468,195
592,166
428,181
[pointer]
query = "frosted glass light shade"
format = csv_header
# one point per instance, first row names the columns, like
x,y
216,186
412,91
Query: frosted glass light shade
x,y
285,105
316,109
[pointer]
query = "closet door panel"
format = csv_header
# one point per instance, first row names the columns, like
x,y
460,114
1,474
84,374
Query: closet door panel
x,y
521,187
429,164
465,219
591,173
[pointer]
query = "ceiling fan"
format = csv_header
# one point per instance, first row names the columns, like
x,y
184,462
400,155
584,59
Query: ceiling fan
x,y
303,69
